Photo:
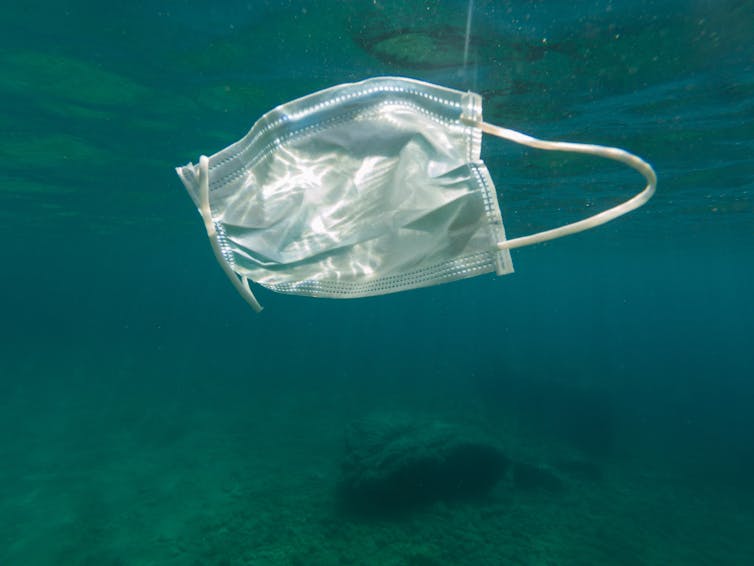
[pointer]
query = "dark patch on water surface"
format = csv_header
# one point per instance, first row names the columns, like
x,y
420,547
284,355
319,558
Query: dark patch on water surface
x,y
442,47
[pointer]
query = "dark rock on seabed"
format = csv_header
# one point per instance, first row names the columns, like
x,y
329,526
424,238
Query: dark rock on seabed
x,y
395,462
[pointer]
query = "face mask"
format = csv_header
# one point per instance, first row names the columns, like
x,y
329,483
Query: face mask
x,y
366,189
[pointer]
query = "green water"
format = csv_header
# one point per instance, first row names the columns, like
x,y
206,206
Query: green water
x,y
148,416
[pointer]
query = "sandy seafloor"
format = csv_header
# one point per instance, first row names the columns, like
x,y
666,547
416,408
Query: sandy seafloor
x,y
128,476
148,416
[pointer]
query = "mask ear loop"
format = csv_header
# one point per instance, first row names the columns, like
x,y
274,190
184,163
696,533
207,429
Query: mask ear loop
x,y
239,282
601,151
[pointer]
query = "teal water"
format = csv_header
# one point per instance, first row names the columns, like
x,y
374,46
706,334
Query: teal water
x,y
148,416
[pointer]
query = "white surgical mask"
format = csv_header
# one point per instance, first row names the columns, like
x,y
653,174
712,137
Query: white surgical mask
x,y
365,189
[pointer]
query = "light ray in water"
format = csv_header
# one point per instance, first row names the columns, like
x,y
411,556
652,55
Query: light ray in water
x,y
469,13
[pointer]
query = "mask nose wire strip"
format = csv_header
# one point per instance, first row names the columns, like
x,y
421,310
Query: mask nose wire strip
x,y
607,152
242,284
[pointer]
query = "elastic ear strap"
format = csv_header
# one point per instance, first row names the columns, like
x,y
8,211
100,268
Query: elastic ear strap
x,y
241,285
608,152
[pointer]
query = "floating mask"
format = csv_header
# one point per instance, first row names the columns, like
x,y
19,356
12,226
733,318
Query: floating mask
x,y
365,189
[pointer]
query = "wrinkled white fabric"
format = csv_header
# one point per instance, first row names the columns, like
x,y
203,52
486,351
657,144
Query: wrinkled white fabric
x,y
366,189
361,189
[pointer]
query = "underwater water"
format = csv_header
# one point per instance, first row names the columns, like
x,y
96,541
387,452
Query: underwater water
x,y
149,416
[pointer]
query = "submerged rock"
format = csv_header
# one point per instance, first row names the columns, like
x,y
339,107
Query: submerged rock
x,y
394,462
